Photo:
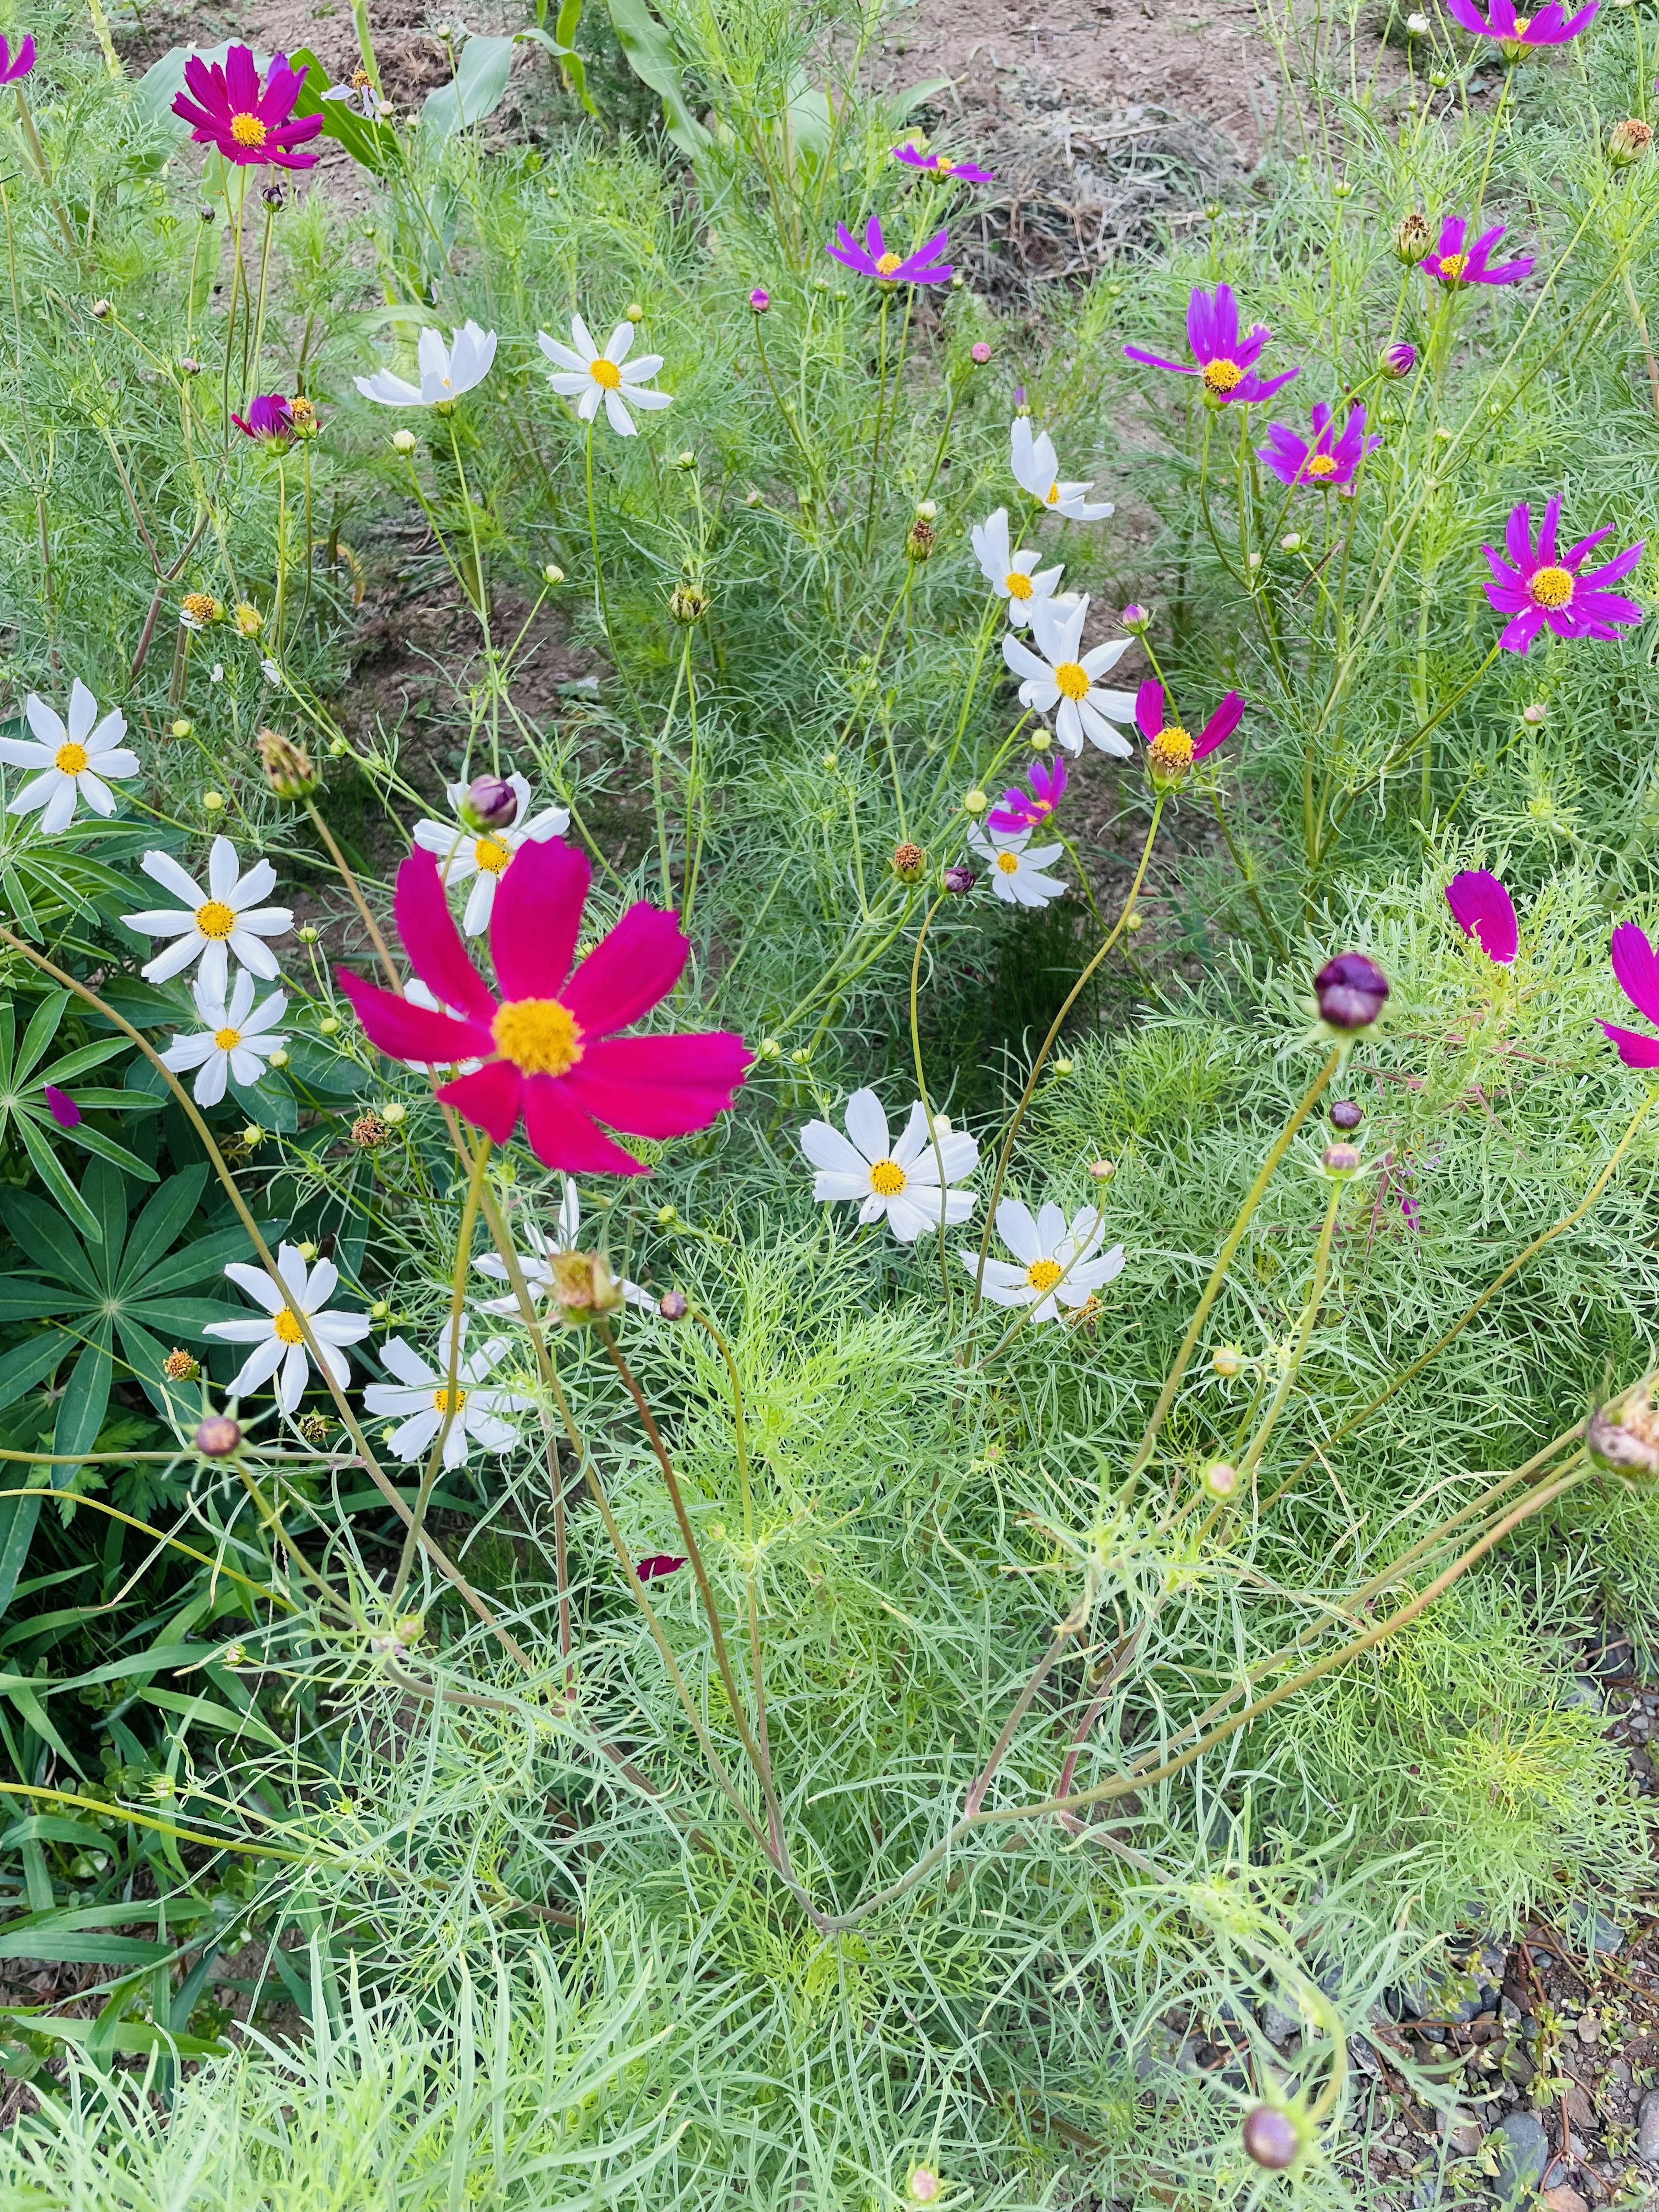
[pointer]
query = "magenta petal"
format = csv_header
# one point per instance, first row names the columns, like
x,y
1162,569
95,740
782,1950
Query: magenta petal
x,y
65,1111
433,942
627,972
563,1136
1634,1049
659,1086
1220,726
1157,360
242,81
536,916
490,1098
1149,709
659,1563
1519,634
1636,970
395,1025
1484,911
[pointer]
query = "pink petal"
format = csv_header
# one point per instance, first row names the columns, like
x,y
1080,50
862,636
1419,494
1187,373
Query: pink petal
x,y
395,1025
1635,1050
490,1098
1635,968
1220,726
659,1086
562,1136
433,942
1517,536
659,1563
537,915
1149,709
1484,911
65,1111
627,972
242,80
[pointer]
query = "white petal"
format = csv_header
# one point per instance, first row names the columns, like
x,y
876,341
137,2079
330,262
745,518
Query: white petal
x,y
915,1138
867,1125
163,869
59,810
296,1373
83,711
831,1185
222,870
1018,1232
45,723
258,1367
621,421
177,957
620,343
257,1283
209,1084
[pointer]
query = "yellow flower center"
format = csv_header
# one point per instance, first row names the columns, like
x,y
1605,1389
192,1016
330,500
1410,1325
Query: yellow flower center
x,y
1043,1274
1322,465
1008,863
216,919
226,1040
540,1037
1052,497
70,759
1222,376
1552,587
491,855
605,372
1072,678
887,1178
946,168
1521,23
248,130
888,263
1454,264
441,1400
1175,740
1019,585
287,1329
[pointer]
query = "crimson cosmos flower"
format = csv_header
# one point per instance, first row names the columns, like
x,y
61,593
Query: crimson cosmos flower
x,y
548,1040
1022,809
1636,971
1544,588
1330,462
269,419
877,258
1171,750
1484,911
1453,265
14,67
914,158
247,126
1224,359
1550,26
659,1563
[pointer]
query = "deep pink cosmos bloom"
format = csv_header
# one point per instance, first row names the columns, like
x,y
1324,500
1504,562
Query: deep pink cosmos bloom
x,y
659,1563
1453,265
877,258
14,67
548,1040
1330,462
1169,742
1484,911
230,112
941,166
1636,971
1543,588
1222,357
1550,26
65,1111
269,419
1023,810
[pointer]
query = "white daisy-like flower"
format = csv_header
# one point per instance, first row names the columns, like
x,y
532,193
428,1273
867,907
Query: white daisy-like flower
x,y
1057,1265
480,858
73,763
234,1042
1010,574
226,920
901,1180
446,371
537,1264
588,376
1037,470
1061,682
419,1400
276,1335
1015,866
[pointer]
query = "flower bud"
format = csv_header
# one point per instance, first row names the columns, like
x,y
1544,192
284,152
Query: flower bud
x,y
1271,2137
1136,620
1021,404
909,863
770,1049
1101,1171
1221,1479
101,311
1412,239
1341,1160
1292,541
402,441
213,802
685,458
489,802
634,312
959,879
584,1288
248,619
979,353
1226,1361
688,603
1041,738
287,765
919,539
1351,991
217,1437
673,1305
924,2184
277,1059
1417,26
974,801
1347,1114
181,1367
667,1216
760,300
1623,1436
1534,714
1629,141
1397,359
552,574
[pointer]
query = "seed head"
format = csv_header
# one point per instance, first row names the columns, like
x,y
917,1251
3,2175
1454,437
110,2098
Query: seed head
x,y
369,1132
197,609
489,802
181,1367
1397,359
1271,2137
673,1305
1412,239
919,539
287,766
218,1436
1623,1436
689,603
909,863
316,1428
584,1288
1347,1114
1630,142
959,879
1351,991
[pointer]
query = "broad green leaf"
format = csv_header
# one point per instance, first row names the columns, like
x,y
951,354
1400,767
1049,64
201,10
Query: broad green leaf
x,y
475,92
215,1716
571,64
371,145
23,1300
85,1400
73,1947
38,1230
47,1166
84,1056
135,2038
652,58
194,1262
18,1519
56,1828
26,1364
43,1027
163,1219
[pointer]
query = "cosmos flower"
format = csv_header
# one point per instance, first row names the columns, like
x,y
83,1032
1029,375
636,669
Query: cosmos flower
x,y
548,1040
1037,470
1172,751
899,1180
270,420
659,1563
419,1400
1543,588
275,1334
247,126
1518,35
1225,360
14,67
1010,573
232,1044
1484,911
1452,264
1063,681
226,922
536,1265
1636,971
1057,1265
1022,809
588,376
72,762
446,371
1330,462
877,258
941,166
466,855
1016,870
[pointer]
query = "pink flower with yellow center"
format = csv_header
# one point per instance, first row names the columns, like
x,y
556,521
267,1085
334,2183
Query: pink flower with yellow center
x,y
1453,262
1222,355
1171,750
1520,34
1539,588
875,258
249,124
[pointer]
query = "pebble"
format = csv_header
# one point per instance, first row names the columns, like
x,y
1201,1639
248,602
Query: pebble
x,y
1590,2029
1522,2156
1464,2133
1564,2199
1277,2024
1646,2128
1593,1929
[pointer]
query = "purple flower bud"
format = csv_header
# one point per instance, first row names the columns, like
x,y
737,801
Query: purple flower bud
x,y
1020,407
979,352
760,300
1347,1114
673,1305
1136,620
1271,2137
491,803
959,879
1351,991
65,1111
217,1437
1397,359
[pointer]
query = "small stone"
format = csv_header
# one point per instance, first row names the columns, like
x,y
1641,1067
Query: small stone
x,y
1592,1928
1277,2024
1590,2029
1463,2131
1524,2153
1564,2199
1646,2128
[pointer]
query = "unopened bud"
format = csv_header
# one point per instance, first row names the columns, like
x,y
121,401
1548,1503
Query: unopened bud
x,y
489,802
1226,1361
182,728
1534,714
1629,141
909,863
1623,1437
1292,541
1341,1160
760,300
1397,359
213,802
584,1288
1417,26
1102,1170
1136,619
101,311
633,312
974,802
217,1437
1347,1114
288,767
685,458
1412,239
924,2184
979,353
1221,1479
1042,738
1351,991
552,574
689,603
673,1305
402,441
770,1049
1271,2137
277,1059
959,879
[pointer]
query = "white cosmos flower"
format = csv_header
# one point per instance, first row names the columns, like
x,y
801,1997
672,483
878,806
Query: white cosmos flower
x,y
234,1043
1016,866
1061,682
537,1264
275,1334
1010,573
1037,470
419,1400
446,371
901,1180
469,856
224,920
586,375
1057,1264
73,763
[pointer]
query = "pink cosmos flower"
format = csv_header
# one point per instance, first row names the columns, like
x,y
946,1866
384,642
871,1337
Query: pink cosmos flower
x,y
659,1563
1544,588
1225,360
1172,750
547,1040
914,158
1453,265
1330,462
1637,972
269,419
877,258
1550,26
246,125
1484,911
1022,809
14,67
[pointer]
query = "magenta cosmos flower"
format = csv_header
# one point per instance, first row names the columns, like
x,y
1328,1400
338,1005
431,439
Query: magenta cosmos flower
x,y
1636,971
1023,810
1550,26
1221,356
877,258
246,125
269,419
14,67
1330,461
1544,588
941,166
547,1037
1171,751
1484,911
1452,264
